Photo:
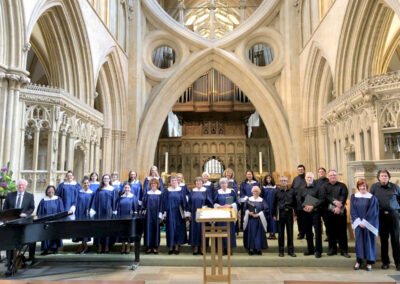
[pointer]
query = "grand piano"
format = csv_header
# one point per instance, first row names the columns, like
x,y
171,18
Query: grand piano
x,y
16,232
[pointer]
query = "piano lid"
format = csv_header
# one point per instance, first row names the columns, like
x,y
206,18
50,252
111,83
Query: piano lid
x,y
9,215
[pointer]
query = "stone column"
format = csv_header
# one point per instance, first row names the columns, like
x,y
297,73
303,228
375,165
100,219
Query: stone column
x,y
35,158
107,146
52,151
63,146
70,153
3,114
12,85
91,156
181,8
242,7
367,145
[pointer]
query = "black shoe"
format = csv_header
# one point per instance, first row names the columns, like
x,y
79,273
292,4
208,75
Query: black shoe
x,y
330,253
45,252
300,237
398,267
251,252
54,251
345,254
317,255
326,240
259,252
292,254
308,253
176,252
281,254
170,252
385,266
225,251
8,273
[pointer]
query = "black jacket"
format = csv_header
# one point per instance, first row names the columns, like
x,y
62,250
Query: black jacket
x,y
28,202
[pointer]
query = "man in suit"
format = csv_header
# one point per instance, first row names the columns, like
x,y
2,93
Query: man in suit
x,y
25,201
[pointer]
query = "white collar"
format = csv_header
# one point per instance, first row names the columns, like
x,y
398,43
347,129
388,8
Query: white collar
x,y
46,198
110,188
182,184
259,199
201,189
270,186
89,191
130,195
157,192
207,183
231,180
228,191
366,195
151,177
94,182
135,181
117,182
71,183
251,182
178,188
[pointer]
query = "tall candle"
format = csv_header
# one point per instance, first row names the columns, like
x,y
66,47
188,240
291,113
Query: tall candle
x,y
166,162
260,158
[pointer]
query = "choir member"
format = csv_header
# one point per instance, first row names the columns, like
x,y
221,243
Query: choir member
x,y
230,176
50,204
226,198
152,174
268,194
199,197
245,191
103,207
127,206
115,182
174,206
284,205
182,184
297,185
152,211
336,194
255,223
83,203
388,195
136,186
364,211
312,198
94,182
68,192
208,184
320,182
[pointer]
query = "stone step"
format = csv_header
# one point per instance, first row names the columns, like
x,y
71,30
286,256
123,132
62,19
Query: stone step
x,y
185,259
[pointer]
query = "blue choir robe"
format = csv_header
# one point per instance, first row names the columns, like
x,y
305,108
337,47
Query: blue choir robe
x,y
245,193
68,192
174,205
94,186
198,198
117,185
153,212
210,189
48,206
83,203
255,228
104,207
220,200
146,185
127,206
364,209
136,190
268,194
185,188
231,184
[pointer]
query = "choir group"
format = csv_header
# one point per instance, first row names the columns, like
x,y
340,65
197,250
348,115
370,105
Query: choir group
x,y
264,209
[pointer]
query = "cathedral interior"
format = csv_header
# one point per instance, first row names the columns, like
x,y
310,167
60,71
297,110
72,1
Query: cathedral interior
x,y
190,86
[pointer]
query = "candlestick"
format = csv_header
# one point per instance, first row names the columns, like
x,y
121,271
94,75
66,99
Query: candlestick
x,y
166,162
260,160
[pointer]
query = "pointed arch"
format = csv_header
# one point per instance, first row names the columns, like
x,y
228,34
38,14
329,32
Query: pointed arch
x,y
365,22
58,36
263,96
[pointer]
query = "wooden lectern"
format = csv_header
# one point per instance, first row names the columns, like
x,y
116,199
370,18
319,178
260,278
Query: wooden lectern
x,y
209,217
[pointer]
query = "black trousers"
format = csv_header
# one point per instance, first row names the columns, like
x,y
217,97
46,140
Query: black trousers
x,y
389,226
313,220
337,228
10,253
300,222
285,220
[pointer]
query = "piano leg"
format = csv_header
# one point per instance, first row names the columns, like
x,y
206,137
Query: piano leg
x,y
11,262
135,265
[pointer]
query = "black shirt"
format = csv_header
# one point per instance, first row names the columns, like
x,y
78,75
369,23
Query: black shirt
x,y
314,191
298,185
337,191
388,195
284,200
321,182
